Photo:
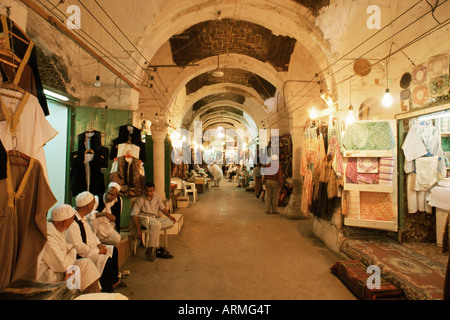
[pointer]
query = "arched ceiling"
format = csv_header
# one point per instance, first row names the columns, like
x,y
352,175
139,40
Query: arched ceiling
x,y
219,38
265,49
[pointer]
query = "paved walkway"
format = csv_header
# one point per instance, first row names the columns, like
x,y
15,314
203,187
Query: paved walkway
x,y
229,249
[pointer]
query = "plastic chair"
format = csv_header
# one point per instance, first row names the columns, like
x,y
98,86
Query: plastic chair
x,y
145,236
189,187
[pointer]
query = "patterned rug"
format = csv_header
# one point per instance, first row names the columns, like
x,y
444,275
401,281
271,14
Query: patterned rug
x,y
355,277
419,277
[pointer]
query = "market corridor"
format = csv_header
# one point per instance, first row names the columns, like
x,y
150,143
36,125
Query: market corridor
x,y
229,249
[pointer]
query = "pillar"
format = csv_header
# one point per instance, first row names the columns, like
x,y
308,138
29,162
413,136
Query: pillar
x,y
293,209
159,134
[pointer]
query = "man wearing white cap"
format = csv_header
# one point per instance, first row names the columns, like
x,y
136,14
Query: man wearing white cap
x,y
107,215
88,245
58,259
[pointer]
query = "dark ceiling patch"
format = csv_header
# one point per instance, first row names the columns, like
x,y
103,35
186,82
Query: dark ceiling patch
x,y
238,76
212,38
53,74
314,5
226,109
218,97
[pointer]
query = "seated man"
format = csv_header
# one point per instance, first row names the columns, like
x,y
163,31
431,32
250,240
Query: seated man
x,y
149,206
89,246
58,257
107,215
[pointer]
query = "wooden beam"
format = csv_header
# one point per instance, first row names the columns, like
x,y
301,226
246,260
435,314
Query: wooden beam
x,y
62,28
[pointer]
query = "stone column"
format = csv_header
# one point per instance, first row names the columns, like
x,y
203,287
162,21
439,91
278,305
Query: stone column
x,y
159,136
293,209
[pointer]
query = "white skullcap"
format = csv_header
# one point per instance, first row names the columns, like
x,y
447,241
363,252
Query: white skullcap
x,y
96,203
83,199
115,185
62,213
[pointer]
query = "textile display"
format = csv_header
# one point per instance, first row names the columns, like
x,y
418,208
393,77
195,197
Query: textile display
x,y
424,164
323,172
354,276
386,171
86,164
23,213
369,136
18,61
419,277
23,126
129,173
286,155
132,135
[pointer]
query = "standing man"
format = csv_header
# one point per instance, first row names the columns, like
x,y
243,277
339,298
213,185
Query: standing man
x,y
58,256
89,246
217,174
146,212
273,185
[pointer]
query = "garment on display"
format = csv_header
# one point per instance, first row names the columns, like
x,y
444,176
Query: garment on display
x,y
129,173
424,163
86,164
18,61
24,119
131,134
23,230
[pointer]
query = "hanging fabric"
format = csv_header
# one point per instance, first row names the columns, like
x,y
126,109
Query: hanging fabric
x,y
130,134
23,126
86,164
129,173
23,211
18,61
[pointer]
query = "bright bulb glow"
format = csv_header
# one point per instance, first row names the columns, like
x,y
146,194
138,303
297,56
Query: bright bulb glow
x,y
387,99
313,115
350,118
55,95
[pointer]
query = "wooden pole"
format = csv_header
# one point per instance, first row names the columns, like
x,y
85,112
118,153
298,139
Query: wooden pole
x,y
62,28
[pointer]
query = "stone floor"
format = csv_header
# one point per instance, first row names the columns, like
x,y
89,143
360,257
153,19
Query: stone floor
x,y
229,249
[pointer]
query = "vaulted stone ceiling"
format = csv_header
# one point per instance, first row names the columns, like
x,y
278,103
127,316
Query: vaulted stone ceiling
x,y
221,37
276,55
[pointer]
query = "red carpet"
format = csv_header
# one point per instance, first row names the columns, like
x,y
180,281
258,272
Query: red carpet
x,y
419,277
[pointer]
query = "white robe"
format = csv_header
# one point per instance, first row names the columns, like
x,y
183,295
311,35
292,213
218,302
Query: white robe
x,y
90,248
58,257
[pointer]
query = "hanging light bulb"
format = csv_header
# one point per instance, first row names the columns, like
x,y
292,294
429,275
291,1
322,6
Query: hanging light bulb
x,y
387,99
97,83
313,115
350,118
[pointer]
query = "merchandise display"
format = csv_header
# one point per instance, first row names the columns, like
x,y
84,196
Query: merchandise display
x,y
86,164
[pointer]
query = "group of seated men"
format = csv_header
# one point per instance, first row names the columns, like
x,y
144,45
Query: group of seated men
x,y
81,241
243,174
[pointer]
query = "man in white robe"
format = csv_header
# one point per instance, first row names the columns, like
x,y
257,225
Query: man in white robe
x,y
217,174
58,261
89,246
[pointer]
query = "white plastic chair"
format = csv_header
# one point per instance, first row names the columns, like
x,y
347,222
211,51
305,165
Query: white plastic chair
x,y
189,187
145,236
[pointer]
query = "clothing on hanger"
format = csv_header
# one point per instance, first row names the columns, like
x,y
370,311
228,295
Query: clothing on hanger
x,y
86,164
126,134
23,126
18,62
23,230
